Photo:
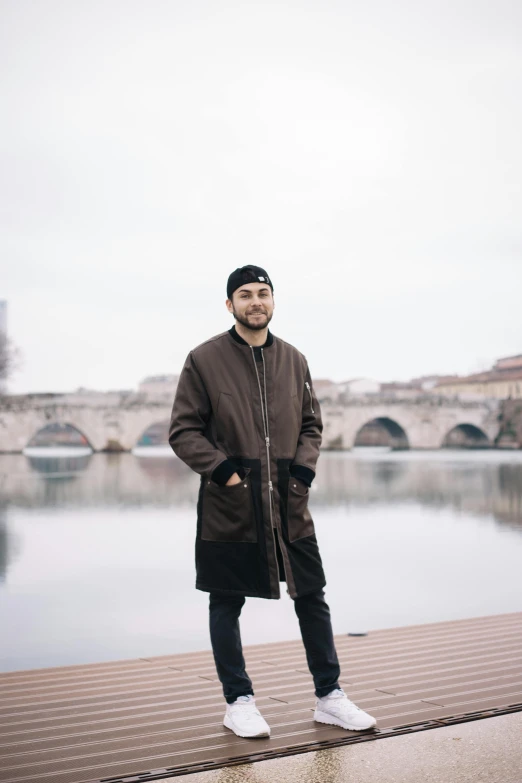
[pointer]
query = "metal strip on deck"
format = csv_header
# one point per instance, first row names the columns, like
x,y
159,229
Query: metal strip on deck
x,y
149,718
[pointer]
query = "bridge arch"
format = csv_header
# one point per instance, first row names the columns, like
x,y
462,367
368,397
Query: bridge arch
x,y
58,433
466,436
156,434
382,431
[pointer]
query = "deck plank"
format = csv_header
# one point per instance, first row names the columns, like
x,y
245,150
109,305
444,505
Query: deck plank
x,y
80,724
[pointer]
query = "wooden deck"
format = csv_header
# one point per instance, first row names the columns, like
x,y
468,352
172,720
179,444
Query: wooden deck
x,y
148,718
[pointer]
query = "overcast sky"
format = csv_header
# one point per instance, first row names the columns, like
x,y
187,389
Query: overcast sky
x,y
367,154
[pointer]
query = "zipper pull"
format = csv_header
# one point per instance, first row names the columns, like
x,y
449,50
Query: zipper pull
x,y
271,488
267,441
310,393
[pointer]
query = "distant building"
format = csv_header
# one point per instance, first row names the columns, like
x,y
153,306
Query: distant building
x,y
424,384
429,382
159,385
355,386
325,390
509,363
503,381
401,389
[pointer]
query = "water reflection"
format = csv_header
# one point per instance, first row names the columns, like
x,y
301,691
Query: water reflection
x,y
4,547
57,467
95,480
9,545
97,550
360,478
365,477
439,480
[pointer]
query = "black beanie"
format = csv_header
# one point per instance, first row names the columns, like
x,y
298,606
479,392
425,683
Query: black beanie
x,y
246,274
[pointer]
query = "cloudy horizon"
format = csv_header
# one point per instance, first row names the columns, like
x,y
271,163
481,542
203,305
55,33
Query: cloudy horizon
x,y
367,155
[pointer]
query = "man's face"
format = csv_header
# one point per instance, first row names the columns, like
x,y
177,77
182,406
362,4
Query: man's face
x,y
252,305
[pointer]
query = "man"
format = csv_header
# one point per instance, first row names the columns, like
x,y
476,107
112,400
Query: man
x,y
246,418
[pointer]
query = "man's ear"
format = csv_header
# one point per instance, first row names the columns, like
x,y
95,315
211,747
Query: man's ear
x,y
229,305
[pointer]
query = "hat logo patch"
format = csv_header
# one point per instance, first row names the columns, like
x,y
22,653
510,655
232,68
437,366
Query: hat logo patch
x,y
260,278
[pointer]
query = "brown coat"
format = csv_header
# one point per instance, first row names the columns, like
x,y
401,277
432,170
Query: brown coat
x,y
219,414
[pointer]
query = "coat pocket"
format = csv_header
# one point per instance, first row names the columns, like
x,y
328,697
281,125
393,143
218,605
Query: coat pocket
x,y
227,513
300,523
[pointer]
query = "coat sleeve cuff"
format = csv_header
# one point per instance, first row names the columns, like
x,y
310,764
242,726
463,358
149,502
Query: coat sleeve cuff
x,y
222,473
306,475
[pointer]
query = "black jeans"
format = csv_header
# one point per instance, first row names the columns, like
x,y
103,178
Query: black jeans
x,y
316,631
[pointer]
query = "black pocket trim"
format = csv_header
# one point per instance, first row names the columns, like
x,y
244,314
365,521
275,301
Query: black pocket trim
x,y
300,522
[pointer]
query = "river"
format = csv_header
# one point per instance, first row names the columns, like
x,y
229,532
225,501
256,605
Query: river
x,y
97,550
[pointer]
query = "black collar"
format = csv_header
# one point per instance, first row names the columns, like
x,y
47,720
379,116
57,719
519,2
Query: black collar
x,y
269,338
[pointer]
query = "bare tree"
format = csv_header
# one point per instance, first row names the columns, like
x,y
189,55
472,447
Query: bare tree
x,y
10,359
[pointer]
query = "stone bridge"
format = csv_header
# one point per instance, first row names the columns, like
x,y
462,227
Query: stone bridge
x,y
426,421
117,421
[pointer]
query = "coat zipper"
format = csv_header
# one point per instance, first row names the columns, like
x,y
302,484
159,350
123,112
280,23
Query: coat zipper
x,y
267,444
310,393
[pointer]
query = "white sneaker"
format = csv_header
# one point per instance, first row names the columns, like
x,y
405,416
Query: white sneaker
x,y
244,719
337,710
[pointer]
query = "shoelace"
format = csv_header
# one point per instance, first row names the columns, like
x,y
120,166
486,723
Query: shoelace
x,y
337,694
340,695
246,706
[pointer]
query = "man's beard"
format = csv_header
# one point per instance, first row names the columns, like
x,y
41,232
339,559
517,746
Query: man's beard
x,y
253,327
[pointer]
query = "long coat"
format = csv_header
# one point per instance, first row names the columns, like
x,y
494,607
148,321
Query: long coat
x,y
219,413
